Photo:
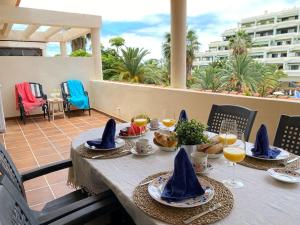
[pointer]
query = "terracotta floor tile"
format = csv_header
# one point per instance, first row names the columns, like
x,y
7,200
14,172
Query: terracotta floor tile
x,y
66,148
40,145
16,144
39,196
61,189
25,163
24,148
21,155
43,151
66,155
58,137
36,183
48,159
37,141
38,207
57,177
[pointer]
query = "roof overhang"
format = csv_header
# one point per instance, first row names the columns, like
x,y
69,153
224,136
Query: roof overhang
x,y
61,26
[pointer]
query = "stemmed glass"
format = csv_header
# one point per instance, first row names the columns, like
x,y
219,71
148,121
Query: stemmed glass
x,y
168,119
228,133
235,152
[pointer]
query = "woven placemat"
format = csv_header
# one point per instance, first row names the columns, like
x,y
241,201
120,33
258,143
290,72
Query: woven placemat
x,y
84,152
265,165
176,216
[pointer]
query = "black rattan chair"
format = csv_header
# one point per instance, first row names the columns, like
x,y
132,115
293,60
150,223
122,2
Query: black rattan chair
x,y
64,205
14,209
66,94
37,91
244,117
288,134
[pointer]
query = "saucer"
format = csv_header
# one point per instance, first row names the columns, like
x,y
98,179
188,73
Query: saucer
x,y
284,175
207,170
133,151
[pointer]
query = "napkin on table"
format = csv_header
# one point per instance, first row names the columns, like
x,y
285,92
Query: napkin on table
x,y
183,184
183,116
261,147
108,137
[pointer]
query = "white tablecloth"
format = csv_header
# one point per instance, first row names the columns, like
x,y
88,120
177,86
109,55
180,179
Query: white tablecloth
x,y
263,200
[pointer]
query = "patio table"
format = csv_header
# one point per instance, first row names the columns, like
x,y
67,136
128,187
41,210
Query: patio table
x,y
262,201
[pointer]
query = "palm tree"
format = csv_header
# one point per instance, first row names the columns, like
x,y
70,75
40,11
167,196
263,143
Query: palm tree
x,y
131,67
239,74
240,42
209,78
269,79
192,46
117,42
166,50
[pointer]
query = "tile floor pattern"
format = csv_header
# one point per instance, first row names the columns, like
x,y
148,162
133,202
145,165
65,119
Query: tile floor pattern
x,y
40,142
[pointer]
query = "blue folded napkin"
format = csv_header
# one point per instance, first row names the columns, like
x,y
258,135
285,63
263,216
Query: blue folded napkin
x,y
261,147
108,137
184,183
183,116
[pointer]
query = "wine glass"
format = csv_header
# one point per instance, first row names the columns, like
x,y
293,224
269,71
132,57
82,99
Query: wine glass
x,y
168,119
228,131
140,120
235,152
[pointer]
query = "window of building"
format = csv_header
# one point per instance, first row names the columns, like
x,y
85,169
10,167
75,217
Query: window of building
x,y
294,67
283,55
6,51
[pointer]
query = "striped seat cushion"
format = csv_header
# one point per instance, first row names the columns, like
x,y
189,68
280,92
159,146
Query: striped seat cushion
x,y
36,91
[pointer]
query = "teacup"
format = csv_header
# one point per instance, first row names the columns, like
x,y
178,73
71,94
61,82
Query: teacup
x,y
199,161
154,123
143,146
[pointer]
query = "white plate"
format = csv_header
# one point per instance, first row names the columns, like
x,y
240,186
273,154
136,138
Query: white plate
x,y
282,155
166,149
132,137
156,187
133,151
119,144
284,175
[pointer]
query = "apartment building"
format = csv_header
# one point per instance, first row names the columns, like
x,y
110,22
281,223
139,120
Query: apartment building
x,y
276,40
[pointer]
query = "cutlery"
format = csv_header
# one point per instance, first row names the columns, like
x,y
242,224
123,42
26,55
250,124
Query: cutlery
x,y
146,182
106,155
214,207
290,161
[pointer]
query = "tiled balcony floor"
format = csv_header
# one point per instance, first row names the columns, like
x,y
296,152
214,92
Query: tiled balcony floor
x,y
40,142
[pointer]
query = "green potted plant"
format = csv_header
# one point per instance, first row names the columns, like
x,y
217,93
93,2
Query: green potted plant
x,y
190,134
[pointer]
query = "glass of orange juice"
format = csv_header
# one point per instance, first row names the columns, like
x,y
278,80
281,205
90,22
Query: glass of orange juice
x,y
235,153
168,119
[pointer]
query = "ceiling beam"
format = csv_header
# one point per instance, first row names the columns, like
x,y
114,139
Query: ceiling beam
x,y
12,14
74,33
30,30
6,29
51,32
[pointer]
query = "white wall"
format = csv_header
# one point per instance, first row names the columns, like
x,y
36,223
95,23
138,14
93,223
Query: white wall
x,y
129,98
49,71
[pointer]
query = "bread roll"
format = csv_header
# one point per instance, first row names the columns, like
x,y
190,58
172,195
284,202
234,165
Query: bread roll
x,y
214,149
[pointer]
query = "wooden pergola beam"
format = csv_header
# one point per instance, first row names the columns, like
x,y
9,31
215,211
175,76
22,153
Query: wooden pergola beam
x,y
6,29
12,14
51,32
30,30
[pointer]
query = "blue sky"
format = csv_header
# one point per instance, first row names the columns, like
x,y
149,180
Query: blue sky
x,y
143,23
